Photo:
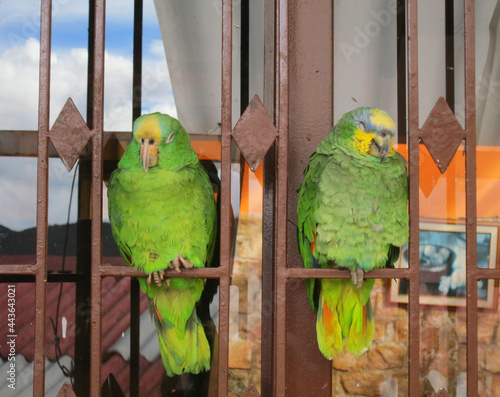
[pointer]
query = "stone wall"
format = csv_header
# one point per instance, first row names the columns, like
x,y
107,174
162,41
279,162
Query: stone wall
x,y
246,302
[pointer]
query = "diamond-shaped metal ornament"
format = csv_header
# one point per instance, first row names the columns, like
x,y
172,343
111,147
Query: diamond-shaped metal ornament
x,y
254,133
66,391
432,172
442,134
69,134
251,392
442,393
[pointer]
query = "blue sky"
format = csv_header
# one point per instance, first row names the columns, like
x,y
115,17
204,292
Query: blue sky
x,y
19,58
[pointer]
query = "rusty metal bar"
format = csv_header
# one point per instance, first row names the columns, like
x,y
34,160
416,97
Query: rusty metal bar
x,y
449,27
225,197
339,273
268,212
472,272
413,165
135,314
96,198
401,69
137,60
28,269
42,197
125,271
281,112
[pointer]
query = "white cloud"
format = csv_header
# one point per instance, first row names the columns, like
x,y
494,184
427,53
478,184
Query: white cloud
x,y
156,48
19,86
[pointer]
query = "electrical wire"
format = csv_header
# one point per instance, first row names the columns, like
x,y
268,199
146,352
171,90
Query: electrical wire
x,y
67,372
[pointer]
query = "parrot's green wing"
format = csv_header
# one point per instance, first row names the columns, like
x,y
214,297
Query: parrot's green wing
x,y
163,216
306,235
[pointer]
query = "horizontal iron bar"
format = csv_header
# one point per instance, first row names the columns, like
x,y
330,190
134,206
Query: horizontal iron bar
x,y
21,270
125,271
341,273
11,142
487,273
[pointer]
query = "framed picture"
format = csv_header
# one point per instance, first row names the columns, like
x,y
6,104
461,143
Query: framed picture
x,y
442,265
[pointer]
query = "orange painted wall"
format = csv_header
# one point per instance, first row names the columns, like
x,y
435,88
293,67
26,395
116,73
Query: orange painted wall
x,y
441,195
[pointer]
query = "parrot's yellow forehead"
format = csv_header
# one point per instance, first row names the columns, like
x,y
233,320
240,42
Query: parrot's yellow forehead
x,y
381,119
148,128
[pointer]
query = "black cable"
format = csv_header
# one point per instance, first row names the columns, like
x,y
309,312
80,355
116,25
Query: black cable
x,y
67,372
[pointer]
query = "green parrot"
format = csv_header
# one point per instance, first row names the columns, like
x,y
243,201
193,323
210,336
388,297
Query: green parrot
x,y
163,216
352,213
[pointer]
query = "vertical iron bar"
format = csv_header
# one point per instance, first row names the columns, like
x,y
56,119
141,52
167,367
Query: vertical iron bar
x,y
137,60
90,65
135,315
244,55
268,212
281,99
413,158
244,76
83,263
268,272
84,235
134,284
471,205
225,245
401,69
96,199
311,71
450,53
42,197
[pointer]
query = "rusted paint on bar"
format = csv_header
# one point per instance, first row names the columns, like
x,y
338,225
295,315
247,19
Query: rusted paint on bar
x,y
413,165
339,273
126,271
17,269
225,197
470,191
42,198
282,192
482,274
96,197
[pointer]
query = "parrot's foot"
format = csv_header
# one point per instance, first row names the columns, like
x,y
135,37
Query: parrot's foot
x,y
158,276
357,276
180,261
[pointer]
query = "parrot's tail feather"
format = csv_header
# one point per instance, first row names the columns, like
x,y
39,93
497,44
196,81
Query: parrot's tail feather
x,y
328,330
189,352
345,317
183,350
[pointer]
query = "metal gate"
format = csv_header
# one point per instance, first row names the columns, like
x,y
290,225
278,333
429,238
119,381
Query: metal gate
x,y
299,98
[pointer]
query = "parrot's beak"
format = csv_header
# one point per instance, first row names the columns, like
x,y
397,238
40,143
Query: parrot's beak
x,y
385,148
148,153
381,147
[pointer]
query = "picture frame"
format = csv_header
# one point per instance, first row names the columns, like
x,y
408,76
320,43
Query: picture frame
x,y
442,265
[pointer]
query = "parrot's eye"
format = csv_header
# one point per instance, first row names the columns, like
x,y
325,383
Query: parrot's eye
x,y
142,140
151,141
170,138
362,126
